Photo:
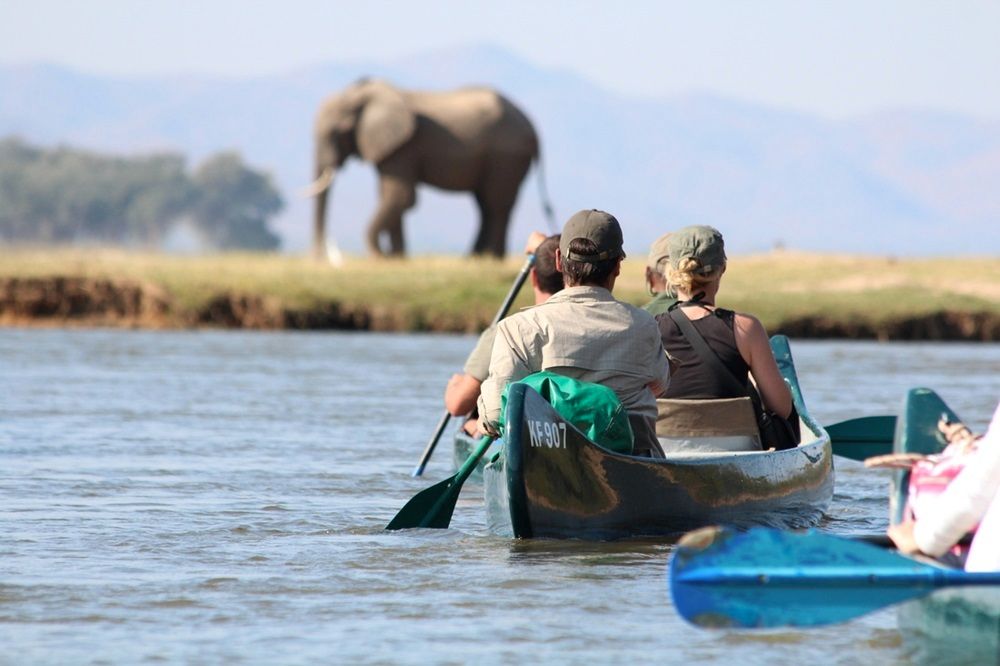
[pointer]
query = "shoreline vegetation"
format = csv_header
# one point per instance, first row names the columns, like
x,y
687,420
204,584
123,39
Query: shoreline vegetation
x,y
804,295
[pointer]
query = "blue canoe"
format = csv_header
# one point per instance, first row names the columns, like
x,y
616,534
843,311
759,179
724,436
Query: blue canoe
x,y
774,578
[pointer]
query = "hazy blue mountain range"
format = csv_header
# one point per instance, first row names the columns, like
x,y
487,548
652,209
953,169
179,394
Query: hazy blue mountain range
x,y
900,182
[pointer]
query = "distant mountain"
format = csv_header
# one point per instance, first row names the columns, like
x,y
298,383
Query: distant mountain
x,y
898,182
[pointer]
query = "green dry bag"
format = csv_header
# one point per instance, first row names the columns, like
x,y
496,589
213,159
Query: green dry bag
x,y
593,409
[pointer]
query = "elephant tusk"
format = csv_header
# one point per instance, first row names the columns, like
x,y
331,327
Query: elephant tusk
x,y
319,185
333,253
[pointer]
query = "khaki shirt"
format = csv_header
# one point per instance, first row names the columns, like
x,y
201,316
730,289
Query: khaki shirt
x,y
584,333
477,365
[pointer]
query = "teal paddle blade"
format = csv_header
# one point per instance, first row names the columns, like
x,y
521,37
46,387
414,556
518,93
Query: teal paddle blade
x,y
433,507
770,578
863,437
919,433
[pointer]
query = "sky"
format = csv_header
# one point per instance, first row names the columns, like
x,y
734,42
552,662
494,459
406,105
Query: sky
x,y
835,59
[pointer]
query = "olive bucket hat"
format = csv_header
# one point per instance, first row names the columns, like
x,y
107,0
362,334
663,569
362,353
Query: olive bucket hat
x,y
699,242
598,227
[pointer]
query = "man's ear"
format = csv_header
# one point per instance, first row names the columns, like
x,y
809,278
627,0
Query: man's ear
x,y
559,263
618,268
534,278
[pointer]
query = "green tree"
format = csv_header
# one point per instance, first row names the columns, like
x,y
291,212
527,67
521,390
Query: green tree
x,y
65,195
233,204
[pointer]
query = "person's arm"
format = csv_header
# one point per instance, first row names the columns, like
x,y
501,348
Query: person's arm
x,y
534,240
461,394
902,537
507,364
659,363
753,344
463,390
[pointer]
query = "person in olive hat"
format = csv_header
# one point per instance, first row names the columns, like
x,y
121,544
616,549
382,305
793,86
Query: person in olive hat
x,y
585,333
697,264
657,265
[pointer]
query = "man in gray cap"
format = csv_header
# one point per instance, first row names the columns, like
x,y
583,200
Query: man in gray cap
x,y
585,333
657,266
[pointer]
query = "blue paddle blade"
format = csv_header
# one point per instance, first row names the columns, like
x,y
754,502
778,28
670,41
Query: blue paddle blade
x,y
769,578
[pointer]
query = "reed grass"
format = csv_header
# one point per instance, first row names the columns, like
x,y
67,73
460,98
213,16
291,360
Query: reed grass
x,y
777,287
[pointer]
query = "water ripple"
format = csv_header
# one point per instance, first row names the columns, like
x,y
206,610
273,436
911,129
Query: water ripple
x,y
207,497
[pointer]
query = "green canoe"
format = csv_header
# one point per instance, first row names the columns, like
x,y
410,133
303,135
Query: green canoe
x,y
956,621
569,487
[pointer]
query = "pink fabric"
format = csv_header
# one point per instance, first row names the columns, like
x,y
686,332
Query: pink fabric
x,y
964,502
930,477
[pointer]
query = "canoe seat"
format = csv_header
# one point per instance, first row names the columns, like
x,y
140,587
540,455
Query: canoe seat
x,y
727,424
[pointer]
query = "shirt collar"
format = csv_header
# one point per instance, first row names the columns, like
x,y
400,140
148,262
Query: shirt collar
x,y
585,292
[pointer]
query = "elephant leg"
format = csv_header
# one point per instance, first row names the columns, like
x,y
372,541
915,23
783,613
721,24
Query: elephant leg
x,y
396,196
496,198
494,219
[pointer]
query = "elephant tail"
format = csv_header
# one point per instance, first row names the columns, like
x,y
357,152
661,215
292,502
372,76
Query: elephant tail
x,y
550,215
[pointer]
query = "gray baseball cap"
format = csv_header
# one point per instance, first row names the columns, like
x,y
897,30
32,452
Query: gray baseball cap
x,y
597,226
699,242
659,254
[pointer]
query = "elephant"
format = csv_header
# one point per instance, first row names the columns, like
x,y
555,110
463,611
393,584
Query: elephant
x,y
469,139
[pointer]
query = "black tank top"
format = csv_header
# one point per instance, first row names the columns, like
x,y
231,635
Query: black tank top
x,y
692,379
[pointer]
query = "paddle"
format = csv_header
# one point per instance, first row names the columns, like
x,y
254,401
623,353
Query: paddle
x,y
863,437
770,578
432,507
501,313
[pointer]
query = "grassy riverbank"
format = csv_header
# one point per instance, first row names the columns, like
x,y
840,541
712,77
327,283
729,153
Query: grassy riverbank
x,y
459,294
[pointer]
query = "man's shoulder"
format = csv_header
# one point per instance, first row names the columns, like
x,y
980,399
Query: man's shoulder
x,y
590,296
520,319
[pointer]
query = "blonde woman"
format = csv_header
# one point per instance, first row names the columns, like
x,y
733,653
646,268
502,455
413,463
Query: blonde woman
x,y
697,264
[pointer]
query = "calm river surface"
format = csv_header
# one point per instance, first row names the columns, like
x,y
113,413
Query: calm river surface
x,y
219,497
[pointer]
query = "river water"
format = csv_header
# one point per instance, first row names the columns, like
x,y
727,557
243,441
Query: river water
x,y
219,497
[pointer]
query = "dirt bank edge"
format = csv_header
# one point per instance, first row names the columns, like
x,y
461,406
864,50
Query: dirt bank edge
x,y
98,302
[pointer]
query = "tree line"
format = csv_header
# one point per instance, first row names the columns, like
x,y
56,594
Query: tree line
x,y
65,195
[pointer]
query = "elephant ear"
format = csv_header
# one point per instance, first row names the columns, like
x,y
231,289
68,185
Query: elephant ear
x,y
386,123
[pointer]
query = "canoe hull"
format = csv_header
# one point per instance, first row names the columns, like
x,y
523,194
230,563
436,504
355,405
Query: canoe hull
x,y
580,490
551,481
955,621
